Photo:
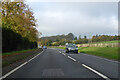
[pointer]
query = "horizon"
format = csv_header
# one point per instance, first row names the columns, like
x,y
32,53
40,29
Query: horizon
x,y
82,36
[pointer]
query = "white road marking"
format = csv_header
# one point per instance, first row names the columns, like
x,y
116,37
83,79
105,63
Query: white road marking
x,y
98,73
59,51
71,58
33,57
13,71
103,76
102,58
63,53
18,67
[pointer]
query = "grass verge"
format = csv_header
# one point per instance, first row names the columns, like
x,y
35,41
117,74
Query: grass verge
x,y
16,56
106,52
15,52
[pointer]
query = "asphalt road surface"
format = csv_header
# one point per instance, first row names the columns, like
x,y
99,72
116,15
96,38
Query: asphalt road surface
x,y
55,63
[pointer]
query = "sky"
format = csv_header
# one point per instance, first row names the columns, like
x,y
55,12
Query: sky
x,y
79,18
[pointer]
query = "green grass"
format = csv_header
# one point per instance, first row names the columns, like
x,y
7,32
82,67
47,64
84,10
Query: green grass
x,y
106,52
14,52
13,60
17,56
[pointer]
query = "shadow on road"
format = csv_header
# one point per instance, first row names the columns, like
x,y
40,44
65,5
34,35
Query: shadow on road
x,y
72,53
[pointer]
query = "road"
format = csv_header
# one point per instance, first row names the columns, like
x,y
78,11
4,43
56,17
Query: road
x,y
55,63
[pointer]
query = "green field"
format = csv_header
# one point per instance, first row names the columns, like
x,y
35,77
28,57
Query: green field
x,y
106,52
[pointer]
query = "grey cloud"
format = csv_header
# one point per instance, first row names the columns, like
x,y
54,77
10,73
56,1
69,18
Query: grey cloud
x,y
78,18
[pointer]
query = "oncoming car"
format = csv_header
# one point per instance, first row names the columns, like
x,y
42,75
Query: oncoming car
x,y
44,47
71,48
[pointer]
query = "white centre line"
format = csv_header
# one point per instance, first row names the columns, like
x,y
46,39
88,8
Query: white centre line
x,y
64,54
103,76
71,58
19,67
98,73
59,51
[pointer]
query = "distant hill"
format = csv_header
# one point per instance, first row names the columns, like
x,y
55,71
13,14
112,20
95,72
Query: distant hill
x,y
69,36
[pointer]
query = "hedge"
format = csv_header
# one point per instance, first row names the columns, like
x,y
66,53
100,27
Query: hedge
x,y
12,41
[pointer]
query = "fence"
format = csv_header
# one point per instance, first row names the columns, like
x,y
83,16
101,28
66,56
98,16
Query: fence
x,y
100,45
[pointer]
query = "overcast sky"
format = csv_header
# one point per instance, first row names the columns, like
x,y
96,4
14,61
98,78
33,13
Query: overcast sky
x,y
79,18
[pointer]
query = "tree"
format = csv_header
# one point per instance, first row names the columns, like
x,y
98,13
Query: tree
x,y
85,37
19,17
75,38
79,37
18,25
57,40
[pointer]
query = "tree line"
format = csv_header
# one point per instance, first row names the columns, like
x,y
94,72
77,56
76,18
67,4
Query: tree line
x,y
96,38
18,27
79,40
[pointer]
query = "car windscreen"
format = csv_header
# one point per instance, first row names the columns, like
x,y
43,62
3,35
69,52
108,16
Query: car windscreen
x,y
71,45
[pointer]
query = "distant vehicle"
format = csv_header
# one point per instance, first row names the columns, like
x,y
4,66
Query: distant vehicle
x,y
71,48
44,47
39,46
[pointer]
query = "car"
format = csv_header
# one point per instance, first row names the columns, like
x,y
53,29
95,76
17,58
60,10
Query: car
x,y
71,48
44,47
39,46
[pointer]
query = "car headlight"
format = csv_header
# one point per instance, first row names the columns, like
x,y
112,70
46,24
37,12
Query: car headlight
x,y
69,48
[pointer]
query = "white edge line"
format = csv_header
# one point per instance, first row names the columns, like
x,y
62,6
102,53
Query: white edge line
x,y
19,66
71,58
103,76
12,71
